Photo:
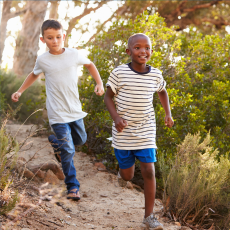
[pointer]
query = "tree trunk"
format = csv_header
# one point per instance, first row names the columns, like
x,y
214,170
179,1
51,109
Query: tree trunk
x,y
6,15
4,19
53,10
27,43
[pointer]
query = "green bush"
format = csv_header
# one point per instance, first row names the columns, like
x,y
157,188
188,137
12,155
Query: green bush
x,y
32,99
195,188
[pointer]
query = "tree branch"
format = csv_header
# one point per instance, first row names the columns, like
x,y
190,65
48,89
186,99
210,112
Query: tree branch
x,y
86,11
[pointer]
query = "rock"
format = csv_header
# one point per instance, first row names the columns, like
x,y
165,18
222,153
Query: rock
x,y
28,174
129,185
185,228
21,159
40,174
85,195
100,165
138,188
49,166
101,169
177,223
11,216
51,177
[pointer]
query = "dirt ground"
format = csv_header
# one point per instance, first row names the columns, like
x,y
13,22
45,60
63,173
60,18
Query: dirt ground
x,y
103,204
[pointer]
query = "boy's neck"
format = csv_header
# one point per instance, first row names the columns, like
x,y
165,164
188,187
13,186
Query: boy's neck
x,y
141,68
62,50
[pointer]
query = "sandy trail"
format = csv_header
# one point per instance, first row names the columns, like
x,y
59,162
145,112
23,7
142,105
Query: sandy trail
x,y
103,204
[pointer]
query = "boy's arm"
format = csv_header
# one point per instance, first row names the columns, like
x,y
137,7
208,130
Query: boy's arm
x,y
163,95
31,78
120,123
99,89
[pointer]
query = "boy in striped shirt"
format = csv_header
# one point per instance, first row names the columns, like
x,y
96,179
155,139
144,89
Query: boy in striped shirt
x,y
132,86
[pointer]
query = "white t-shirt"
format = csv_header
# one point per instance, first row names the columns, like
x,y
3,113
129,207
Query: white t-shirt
x,y
134,103
62,102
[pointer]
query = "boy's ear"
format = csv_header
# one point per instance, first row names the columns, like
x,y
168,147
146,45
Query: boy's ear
x,y
128,51
42,39
63,37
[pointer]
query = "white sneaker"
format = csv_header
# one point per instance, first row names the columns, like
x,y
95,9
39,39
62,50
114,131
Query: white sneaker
x,y
120,180
152,223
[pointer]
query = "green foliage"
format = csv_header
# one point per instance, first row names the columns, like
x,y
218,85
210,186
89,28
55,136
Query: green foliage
x,y
195,188
32,99
195,68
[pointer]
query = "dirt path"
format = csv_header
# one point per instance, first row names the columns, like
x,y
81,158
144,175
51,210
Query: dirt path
x,y
103,204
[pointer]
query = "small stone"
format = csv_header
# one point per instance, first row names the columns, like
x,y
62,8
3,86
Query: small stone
x,y
46,198
99,165
103,195
11,216
185,228
22,159
29,222
85,195
108,213
40,174
101,169
51,177
129,185
177,223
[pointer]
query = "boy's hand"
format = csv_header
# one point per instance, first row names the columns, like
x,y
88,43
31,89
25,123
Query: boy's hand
x,y
99,89
120,124
169,121
15,96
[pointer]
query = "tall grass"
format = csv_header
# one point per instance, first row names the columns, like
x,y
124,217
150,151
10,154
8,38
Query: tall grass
x,y
9,148
196,189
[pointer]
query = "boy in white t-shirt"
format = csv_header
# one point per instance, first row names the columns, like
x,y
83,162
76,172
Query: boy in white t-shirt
x,y
64,110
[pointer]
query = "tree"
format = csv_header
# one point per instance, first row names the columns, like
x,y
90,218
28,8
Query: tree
x,y
28,38
202,14
6,15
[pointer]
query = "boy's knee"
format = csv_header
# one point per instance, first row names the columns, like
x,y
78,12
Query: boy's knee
x,y
127,177
148,172
82,140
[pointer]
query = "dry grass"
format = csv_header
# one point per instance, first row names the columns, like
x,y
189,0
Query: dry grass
x,y
195,188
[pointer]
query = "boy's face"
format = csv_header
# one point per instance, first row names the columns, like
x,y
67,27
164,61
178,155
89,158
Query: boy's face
x,y
53,39
139,49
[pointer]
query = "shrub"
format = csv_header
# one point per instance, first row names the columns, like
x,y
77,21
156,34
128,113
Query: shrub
x,y
195,188
32,99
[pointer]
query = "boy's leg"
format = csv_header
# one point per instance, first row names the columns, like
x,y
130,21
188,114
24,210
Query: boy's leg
x,y
148,173
55,144
126,160
78,132
147,158
66,146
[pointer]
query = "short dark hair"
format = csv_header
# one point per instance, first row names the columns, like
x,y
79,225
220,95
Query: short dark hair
x,y
130,40
50,24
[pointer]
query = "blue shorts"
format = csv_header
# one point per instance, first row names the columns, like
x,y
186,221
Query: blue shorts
x,y
126,158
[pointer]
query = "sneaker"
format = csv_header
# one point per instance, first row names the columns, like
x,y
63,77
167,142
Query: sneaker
x,y
152,223
120,180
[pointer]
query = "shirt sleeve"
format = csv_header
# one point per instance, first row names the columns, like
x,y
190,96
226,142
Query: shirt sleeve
x,y
37,69
82,60
113,81
161,83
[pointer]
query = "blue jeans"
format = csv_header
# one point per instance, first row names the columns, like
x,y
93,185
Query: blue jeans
x,y
68,135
